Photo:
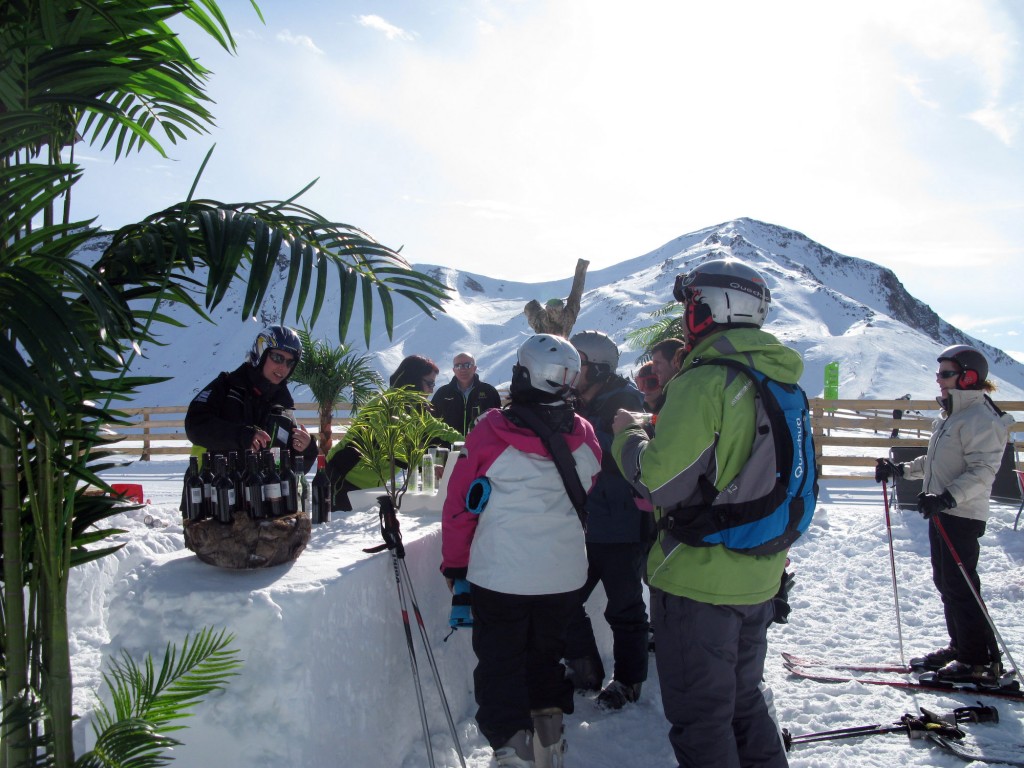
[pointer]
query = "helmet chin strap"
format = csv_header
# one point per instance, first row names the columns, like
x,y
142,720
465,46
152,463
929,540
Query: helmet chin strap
x,y
698,320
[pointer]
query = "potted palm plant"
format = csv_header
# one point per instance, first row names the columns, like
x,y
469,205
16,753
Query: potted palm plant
x,y
392,432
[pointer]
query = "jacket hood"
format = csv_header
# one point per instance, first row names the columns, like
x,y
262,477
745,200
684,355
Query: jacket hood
x,y
754,347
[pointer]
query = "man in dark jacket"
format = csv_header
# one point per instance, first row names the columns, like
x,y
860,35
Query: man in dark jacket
x,y
461,401
250,408
616,539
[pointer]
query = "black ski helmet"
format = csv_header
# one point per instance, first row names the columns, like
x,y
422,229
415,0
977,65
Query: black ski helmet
x,y
275,337
973,365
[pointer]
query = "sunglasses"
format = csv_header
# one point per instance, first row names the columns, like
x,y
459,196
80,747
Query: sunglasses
x,y
463,366
427,383
278,359
647,383
947,374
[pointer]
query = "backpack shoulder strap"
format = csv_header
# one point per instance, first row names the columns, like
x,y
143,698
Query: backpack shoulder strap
x,y
560,454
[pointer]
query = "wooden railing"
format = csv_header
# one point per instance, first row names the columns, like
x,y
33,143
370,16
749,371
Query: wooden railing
x,y
160,430
849,434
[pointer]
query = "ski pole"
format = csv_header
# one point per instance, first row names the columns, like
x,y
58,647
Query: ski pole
x,y
915,727
433,664
395,559
977,595
892,568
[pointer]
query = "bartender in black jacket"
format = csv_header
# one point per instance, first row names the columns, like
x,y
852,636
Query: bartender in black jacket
x,y
250,408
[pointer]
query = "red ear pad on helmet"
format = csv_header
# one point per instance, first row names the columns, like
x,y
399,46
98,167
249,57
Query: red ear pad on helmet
x,y
967,379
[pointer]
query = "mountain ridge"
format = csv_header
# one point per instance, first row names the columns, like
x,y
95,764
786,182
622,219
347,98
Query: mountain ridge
x,y
829,306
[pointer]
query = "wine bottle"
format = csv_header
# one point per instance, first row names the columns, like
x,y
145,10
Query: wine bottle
x,y
235,475
223,493
301,484
206,475
253,480
193,491
321,492
289,493
271,486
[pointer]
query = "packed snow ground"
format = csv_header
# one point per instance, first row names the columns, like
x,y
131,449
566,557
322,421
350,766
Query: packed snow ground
x,y
142,598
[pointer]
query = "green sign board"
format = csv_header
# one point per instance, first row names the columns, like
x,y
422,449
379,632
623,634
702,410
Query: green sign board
x,y
832,381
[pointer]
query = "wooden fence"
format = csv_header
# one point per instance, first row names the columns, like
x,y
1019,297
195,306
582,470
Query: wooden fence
x,y
849,434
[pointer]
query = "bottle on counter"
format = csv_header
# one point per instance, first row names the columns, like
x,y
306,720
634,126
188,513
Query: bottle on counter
x,y
193,491
223,493
321,493
289,490
272,501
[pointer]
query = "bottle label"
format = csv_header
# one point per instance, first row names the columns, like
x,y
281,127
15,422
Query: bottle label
x,y
196,495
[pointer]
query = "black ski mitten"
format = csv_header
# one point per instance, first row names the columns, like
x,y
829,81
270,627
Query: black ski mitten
x,y
930,503
885,470
780,603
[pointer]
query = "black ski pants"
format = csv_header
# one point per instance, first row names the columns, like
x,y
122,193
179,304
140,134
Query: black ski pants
x,y
619,568
710,664
519,642
968,629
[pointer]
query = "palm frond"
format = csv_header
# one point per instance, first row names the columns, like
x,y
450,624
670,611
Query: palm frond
x,y
147,704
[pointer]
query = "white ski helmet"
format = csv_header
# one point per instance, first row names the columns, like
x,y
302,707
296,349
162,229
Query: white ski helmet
x,y
547,364
722,292
600,350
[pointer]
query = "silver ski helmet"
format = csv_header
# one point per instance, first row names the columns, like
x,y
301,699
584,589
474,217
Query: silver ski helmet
x,y
722,292
601,352
274,337
973,365
546,369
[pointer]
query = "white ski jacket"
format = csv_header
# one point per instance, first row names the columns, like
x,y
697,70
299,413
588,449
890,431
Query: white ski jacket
x,y
964,453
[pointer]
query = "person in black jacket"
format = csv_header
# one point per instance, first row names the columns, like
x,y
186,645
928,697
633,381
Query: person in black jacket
x,y
617,537
461,401
250,408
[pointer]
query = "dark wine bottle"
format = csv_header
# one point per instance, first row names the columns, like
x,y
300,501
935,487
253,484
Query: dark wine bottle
x,y
206,475
301,484
223,492
193,491
235,475
289,491
272,500
321,493
253,481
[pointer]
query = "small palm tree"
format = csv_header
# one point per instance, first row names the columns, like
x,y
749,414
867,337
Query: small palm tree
x,y
394,430
332,373
669,322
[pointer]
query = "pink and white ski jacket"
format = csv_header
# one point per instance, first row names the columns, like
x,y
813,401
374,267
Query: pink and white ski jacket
x,y
529,539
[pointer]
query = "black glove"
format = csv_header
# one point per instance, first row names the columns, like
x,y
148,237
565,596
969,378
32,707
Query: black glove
x,y
886,470
780,603
929,503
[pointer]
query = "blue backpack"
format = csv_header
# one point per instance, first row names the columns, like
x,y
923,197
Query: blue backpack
x,y
766,507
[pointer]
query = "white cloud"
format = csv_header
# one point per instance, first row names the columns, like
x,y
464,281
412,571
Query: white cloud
x,y
302,41
391,32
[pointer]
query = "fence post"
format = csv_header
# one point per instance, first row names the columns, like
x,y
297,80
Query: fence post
x,y
817,412
145,435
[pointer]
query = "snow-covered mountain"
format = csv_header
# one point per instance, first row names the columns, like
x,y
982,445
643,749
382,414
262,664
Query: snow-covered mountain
x,y
829,306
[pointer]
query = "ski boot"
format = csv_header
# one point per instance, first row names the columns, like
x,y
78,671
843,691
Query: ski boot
x,y
616,695
585,674
934,660
517,752
548,742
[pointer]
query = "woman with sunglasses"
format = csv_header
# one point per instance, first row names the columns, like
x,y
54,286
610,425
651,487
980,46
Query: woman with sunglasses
x,y
250,408
964,453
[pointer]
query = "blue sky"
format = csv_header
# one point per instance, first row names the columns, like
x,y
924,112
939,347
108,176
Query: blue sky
x,y
511,137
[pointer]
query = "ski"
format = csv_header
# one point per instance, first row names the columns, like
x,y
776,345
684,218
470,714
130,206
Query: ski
x,y
1009,692
800,661
966,753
